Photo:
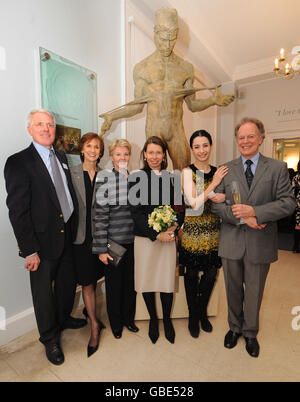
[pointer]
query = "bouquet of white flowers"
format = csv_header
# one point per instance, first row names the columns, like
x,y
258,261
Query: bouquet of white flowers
x,y
162,218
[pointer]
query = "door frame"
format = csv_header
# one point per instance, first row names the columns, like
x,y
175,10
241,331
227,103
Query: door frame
x,y
278,135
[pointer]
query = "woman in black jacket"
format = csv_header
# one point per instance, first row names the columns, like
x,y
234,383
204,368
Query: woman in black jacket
x,y
155,253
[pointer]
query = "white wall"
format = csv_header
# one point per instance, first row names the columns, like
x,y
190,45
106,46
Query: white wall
x,y
277,103
87,32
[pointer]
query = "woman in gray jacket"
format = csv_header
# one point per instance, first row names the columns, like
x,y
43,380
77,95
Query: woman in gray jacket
x,y
89,268
113,221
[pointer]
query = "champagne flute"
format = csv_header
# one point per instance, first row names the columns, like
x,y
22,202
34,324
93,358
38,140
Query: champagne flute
x,y
236,196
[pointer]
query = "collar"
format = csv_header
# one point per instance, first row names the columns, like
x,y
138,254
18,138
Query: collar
x,y
254,159
43,151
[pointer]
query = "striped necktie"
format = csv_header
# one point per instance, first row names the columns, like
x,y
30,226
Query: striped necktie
x,y
248,172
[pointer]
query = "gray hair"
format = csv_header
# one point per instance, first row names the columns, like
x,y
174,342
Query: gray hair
x,y
259,124
34,111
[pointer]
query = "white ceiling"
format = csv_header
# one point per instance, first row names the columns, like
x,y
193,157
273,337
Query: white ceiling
x,y
235,40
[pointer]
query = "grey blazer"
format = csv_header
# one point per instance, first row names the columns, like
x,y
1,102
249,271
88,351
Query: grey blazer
x,y
79,187
272,199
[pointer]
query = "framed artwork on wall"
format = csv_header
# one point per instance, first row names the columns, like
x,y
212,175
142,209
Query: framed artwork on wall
x,y
67,139
70,92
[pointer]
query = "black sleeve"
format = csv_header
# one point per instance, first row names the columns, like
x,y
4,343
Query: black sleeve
x,y
140,217
18,200
140,214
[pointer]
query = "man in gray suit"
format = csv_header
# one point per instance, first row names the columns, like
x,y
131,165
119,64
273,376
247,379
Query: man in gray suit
x,y
248,238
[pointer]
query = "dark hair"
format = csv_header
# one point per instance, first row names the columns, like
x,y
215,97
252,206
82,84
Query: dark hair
x,y
259,124
200,133
298,166
88,137
157,141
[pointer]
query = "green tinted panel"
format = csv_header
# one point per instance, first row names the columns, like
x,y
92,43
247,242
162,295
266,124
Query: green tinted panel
x,y
69,91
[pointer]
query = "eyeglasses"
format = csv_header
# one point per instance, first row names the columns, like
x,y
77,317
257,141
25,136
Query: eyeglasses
x,y
41,125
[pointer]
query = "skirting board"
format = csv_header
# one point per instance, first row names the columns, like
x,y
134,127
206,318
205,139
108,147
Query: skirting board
x,y
23,322
17,325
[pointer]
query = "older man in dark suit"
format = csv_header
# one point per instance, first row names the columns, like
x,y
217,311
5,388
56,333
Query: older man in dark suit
x,y
41,201
248,239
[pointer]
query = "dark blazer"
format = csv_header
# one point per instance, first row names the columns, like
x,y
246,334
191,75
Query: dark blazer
x,y
157,195
34,209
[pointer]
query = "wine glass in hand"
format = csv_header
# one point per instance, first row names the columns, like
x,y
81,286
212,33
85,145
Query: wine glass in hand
x,y
236,196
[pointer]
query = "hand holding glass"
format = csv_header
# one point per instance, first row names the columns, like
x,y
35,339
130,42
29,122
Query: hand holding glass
x,y
236,196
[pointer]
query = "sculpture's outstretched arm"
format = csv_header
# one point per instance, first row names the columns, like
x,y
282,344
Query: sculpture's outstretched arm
x,y
218,99
197,105
126,111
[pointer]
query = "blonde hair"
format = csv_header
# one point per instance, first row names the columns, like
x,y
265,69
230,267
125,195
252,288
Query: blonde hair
x,y
121,142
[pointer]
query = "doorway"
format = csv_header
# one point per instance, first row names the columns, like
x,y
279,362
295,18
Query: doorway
x,y
287,150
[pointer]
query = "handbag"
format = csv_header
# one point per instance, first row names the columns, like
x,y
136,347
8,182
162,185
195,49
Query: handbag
x,y
116,251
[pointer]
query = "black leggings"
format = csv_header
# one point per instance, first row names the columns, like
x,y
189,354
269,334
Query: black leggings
x,y
197,290
166,302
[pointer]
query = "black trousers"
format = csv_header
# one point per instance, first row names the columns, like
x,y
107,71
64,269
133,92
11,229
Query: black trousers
x,y
120,293
53,288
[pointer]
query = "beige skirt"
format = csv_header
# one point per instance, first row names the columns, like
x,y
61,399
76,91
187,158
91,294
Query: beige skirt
x,y
154,265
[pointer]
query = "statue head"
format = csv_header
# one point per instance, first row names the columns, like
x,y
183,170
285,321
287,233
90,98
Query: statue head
x,y
165,30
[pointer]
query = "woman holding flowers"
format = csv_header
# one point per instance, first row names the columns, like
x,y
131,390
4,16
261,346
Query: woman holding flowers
x,y
155,228
200,234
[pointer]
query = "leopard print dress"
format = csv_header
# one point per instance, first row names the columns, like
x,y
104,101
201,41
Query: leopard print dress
x,y
200,238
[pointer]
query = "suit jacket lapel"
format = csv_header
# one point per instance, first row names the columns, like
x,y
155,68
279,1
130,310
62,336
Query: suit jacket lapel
x,y
259,172
78,175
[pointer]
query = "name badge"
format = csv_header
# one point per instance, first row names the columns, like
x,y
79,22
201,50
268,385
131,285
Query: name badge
x,y
65,166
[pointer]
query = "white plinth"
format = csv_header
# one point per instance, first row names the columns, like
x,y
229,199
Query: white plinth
x,y
180,309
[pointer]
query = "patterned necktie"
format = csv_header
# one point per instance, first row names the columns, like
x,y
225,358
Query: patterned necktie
x,y
248,172
60,188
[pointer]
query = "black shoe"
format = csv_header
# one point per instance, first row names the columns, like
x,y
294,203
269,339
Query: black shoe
x,y
231,339
54,354
252,346
206,325
132,327
74,323
169,330
153,330
194,327
92,349
117,333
